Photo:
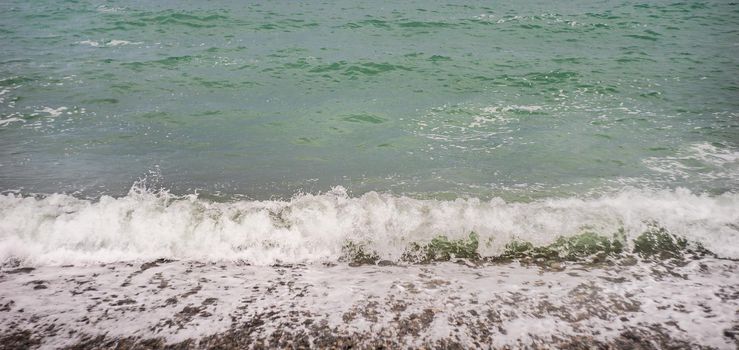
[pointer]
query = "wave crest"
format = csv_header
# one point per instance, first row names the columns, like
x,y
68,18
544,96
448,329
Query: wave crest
x,y
147,224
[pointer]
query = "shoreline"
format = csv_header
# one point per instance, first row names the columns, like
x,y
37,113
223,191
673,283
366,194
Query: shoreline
x,y
193,305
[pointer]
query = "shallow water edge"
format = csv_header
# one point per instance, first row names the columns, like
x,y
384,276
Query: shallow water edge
x,y
193,305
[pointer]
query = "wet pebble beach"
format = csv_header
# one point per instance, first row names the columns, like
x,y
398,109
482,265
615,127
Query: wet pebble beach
x,y
192,305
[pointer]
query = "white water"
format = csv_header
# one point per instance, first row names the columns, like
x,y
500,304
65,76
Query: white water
x,y
61,229
516,306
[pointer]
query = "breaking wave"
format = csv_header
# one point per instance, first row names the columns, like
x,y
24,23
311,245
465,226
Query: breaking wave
x,y
314,228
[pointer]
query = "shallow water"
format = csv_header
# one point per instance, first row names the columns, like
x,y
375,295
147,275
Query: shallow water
x,y
428,99
283,132
432,173
198,305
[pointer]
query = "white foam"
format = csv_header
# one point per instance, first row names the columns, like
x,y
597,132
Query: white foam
x,y
110,43
121,42
62,229
529,109
714,155
10,119
472,128
89,42
496,305
698,160
105,9
52,112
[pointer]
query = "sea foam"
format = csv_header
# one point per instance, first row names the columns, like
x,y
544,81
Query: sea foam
x,y
311,228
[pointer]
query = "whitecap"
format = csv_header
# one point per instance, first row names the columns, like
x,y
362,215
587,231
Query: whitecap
x,y
312,228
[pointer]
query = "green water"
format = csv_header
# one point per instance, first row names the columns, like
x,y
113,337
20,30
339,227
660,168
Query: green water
x,y
429,99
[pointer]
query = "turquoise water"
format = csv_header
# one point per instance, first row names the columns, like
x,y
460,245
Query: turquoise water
x,y
426,99
314,132
521,173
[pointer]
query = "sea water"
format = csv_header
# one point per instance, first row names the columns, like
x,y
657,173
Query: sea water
x,y
385,123
594,143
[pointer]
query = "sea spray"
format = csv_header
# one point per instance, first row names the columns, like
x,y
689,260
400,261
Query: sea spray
x,y
333,226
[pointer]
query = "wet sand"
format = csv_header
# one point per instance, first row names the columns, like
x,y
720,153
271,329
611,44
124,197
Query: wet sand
x,y
192,305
